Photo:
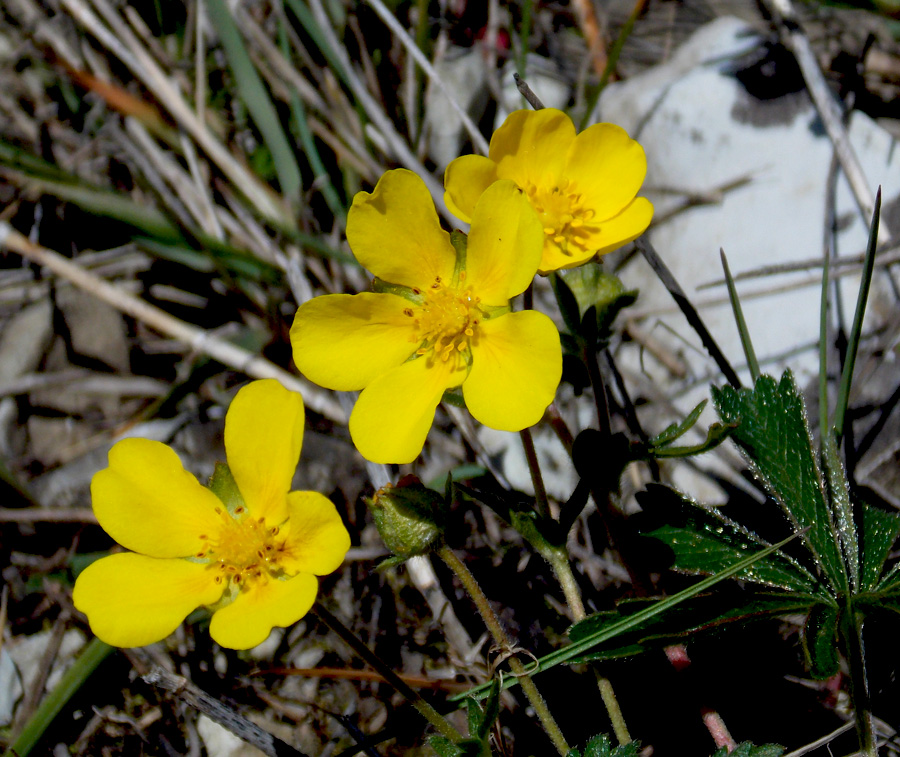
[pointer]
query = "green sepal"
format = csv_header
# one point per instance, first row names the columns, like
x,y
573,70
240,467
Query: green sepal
x,y
820,641
223,485
410,517
460,244
454,397
567,303
380,286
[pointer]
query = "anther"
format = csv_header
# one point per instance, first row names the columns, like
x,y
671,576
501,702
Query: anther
x,y
408,311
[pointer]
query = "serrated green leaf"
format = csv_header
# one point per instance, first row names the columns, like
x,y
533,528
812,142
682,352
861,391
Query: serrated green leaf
x,y
462,748
705,542
678,429
746,749
880,529
702,614
774,437
600,746
820,641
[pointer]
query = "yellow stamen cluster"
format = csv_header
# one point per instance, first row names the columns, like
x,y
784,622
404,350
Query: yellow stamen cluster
x,y
562,212
244,550
446,321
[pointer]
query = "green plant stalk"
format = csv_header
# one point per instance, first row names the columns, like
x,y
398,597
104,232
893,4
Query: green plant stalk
x,y
413,697
746,342
541,503
73,679
559,561
524,37
492,622
862,297
859,683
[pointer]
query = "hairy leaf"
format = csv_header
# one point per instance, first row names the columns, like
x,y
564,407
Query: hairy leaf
x,y
774,436
820,640
880,530
705,542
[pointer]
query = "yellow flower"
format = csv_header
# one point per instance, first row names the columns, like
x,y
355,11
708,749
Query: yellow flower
x,y
442,322
583,187
254,560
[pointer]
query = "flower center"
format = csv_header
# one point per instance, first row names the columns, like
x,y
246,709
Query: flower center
x,y
244,549
446,321
561,210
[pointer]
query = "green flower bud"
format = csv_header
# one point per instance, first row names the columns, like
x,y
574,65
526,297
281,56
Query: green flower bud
x,y
410,517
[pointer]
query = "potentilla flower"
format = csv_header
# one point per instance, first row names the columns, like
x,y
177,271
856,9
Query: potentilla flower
x,y
583,187
251,556
442,321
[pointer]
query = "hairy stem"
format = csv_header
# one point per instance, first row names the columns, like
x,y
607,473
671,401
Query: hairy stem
x,y
503,641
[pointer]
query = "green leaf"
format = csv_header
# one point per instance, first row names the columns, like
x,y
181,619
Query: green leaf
x,y
678,429
253,92
820,641
774,437
746,749
599,746
880,529
710,613
705,542
462,748
715,435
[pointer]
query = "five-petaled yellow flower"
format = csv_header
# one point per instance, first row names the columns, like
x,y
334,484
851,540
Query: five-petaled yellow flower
x,y
583,187
252,560
443,321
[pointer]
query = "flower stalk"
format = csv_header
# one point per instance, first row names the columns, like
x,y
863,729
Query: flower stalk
x,y
502,640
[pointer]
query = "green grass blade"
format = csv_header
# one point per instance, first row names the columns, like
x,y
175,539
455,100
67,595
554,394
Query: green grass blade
x,y
253,92
843,398
578,648
311,27
73,679
746,343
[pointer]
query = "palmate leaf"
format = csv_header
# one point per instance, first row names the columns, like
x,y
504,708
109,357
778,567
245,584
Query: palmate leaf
x,y
820,641
880,529
774,436
600,746
746,749
708,613
706,542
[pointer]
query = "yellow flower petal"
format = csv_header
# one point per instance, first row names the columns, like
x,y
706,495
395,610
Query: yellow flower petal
x,y
261,607
516,368
263,437
394,413
317,540
607,167
149,503
625,227
344,341
465,180
132,600
395,232
531,146
505,244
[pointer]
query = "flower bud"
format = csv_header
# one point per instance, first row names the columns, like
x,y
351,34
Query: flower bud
x,y
410,517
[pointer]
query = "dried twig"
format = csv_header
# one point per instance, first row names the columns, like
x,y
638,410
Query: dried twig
x,y
220,713
199,340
